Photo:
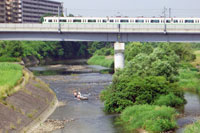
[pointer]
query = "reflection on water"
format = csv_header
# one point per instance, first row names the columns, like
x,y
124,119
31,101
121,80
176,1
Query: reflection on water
x,y
68,69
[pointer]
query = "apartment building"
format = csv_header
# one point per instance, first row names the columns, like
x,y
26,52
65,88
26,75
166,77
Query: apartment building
x,y
2,11
29,11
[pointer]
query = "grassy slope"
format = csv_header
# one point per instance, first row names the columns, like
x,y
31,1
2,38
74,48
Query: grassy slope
x,y
101,60
10,75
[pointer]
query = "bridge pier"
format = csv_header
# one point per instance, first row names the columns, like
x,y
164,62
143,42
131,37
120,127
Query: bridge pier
x,y
119,55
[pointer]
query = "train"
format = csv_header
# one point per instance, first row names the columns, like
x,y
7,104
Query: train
x,y
121,20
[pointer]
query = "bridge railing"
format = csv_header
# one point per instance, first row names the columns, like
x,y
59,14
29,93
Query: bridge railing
x,y
102,28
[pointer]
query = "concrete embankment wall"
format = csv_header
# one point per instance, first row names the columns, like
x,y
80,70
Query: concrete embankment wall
x,y
24,110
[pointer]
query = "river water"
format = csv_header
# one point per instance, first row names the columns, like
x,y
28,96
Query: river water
x,y
88,116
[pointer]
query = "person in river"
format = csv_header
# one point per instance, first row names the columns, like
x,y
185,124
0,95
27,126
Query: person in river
x,y
75,93
80,97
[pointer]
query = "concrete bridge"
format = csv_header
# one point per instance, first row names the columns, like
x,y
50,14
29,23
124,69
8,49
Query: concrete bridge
x,y
103,32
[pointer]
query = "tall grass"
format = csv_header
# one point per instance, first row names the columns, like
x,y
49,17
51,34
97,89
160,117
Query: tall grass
x,y
102,61
9,59
10,75
189,80
193,128
189,75
149,117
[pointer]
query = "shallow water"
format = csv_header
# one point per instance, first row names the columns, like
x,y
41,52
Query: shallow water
x,y
88,116
191,111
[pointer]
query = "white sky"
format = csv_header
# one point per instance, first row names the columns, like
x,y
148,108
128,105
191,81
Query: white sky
x,y
180,8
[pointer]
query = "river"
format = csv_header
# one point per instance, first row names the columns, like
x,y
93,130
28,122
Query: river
x,y
88,116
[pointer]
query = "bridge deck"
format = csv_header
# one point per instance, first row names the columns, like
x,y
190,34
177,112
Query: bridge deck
x,y
101,32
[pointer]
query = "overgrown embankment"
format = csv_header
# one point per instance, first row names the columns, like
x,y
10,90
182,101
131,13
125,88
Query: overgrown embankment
x,y
24,99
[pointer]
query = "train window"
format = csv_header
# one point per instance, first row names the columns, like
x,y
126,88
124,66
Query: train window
x,y
189,21
104,21
50,20
175,21
132,21
92,20
117,21
139,21
155,21
168,21
76,20
62,20
124,21
111,21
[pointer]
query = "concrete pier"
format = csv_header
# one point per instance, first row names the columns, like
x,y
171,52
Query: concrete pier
x,y
119,55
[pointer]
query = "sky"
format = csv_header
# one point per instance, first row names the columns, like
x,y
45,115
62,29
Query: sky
x,y
132,8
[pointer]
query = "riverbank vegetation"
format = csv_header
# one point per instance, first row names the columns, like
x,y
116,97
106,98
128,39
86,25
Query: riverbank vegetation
x,y
148,117
103,56
106,61
11,75
41,50
17,50
193,128
151,77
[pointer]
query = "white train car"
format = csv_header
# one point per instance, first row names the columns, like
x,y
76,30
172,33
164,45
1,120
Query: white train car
x,y
121,20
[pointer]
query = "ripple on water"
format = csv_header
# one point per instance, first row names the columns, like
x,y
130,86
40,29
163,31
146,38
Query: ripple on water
x,y
191,111
88,116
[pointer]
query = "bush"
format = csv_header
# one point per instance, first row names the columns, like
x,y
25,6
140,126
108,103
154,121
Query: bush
x,y
149,117
105,51
169,100
127,91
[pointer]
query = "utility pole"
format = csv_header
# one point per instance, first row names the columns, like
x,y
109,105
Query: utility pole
x,y
59,26
66,12
170,12
165,26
